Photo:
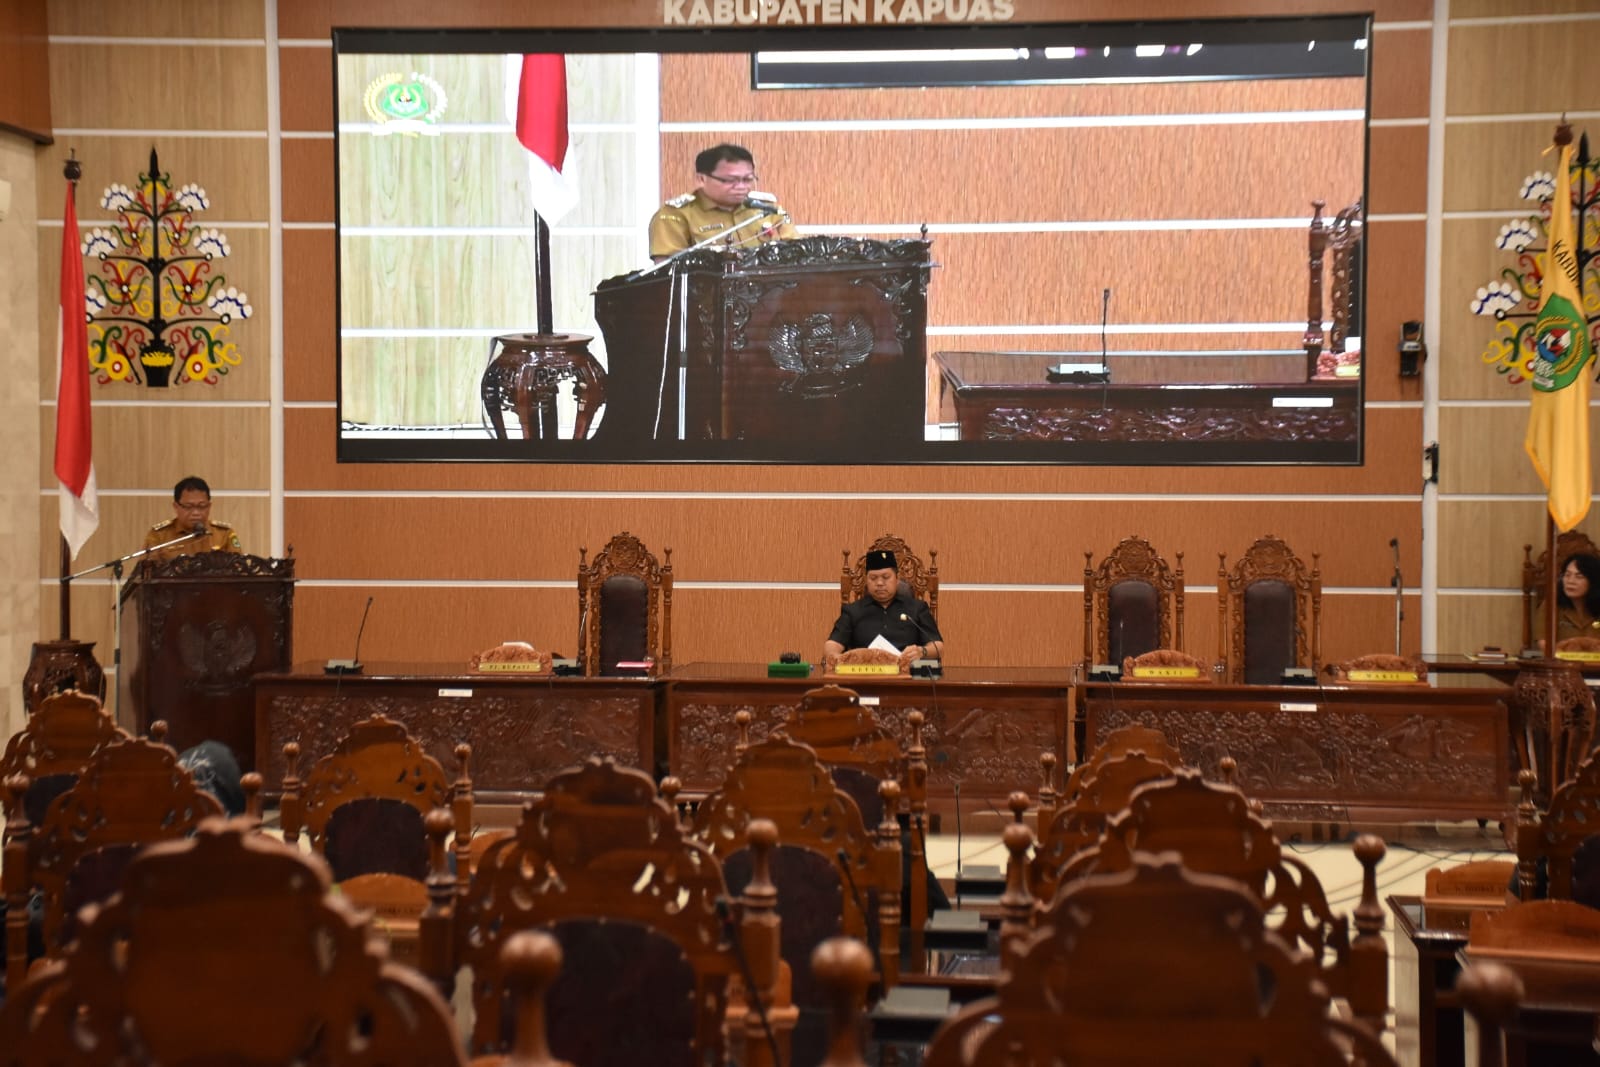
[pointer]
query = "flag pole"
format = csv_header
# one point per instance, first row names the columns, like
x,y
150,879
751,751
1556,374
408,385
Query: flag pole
x,y
72,170
541,273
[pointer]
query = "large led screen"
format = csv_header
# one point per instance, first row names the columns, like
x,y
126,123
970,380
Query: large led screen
x,y
1097,243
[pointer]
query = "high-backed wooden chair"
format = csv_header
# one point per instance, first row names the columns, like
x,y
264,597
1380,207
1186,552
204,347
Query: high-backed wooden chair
x,y
835,874
1214,828
1098,790
923,580
227,947
624,607
1155,964
1567,829
130,794
1269,613
1132,603
54,744
1336,242
1536,575
600,862
363,808
862,754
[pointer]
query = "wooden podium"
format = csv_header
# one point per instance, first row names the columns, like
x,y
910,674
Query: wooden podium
x,y
812,349
195,631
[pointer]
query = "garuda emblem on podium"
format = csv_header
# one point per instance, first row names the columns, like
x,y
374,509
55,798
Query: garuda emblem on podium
x,y
825,361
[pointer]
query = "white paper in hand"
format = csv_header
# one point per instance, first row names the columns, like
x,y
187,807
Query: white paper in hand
x,y
880,642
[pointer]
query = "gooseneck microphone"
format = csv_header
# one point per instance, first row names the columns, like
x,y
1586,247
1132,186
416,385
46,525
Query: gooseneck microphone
x,y
353,664
1399,594
765,203
922,631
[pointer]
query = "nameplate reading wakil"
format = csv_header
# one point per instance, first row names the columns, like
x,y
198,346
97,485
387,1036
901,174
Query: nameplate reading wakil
x,y
1383,676
867,668
1174,671
510,668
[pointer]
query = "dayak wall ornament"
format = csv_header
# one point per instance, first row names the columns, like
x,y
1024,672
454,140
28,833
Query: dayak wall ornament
x,y
160,310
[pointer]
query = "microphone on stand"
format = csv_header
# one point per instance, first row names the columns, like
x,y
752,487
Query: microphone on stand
x,y
1399,593
928,666
1105,326
353,664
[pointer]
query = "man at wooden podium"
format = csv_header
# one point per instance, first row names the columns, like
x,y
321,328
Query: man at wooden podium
x,y
191,514
888,610
724,200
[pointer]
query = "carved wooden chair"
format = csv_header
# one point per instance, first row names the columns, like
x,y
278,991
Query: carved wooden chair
x,y
600,862
1536,575
363,808
1269,613
1119,742
624,607
835,874
923,580
1214,828
1132,603
1565,837
227,947
1097,791
862,754
130,794
1337,242
55,743
1155,964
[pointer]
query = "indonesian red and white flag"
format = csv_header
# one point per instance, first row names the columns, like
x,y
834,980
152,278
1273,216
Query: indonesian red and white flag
x,y
536,103
80,503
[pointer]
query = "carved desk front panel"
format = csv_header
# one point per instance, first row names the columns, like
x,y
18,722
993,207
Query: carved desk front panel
x,y
1325,753
522,729
985,727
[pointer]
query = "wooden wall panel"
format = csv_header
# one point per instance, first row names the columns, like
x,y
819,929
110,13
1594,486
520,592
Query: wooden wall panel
x,y
1079,174
980,542
1471,621
1398,182
199,87
1491,67
1488,161
308,173
1396,262
145,447
1392,443
1402,65
24,68
1485,452
1467,9
157,18
126,518
305,88
309,316
232,171
1491,557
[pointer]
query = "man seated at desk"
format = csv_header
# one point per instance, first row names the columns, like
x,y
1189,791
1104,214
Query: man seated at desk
x,y
191,517
724,200
888,610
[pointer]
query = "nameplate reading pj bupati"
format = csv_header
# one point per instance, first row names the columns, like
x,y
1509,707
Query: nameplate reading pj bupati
x,y
867,668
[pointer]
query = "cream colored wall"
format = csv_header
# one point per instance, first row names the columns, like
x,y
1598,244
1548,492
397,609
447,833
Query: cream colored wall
x,y
22,358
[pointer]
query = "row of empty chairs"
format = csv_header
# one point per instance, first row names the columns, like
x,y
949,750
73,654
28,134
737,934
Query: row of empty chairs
x,y
1269,609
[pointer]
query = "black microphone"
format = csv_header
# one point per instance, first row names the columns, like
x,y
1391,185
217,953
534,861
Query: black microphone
x,y
1105,321
199,530
765,203
352,665
1394,543
957,786
922,631
869,920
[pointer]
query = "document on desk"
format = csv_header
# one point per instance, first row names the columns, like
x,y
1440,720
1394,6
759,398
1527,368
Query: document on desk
x,y
881,643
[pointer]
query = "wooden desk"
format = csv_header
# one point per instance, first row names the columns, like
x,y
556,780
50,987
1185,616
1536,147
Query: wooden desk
x,y
985,726
1005,396
522,728
1427,1014
1328,752
1555,1025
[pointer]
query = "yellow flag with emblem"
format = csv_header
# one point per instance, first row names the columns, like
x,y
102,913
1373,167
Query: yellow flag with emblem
x,y
1558,422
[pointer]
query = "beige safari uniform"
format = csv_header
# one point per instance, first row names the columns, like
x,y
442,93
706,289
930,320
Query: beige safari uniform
x,y
220,538
685,221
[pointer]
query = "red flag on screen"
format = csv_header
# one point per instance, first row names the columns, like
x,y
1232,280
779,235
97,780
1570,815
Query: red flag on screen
x,y
541,123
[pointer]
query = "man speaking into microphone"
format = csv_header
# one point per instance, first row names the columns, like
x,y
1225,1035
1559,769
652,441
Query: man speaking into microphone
x,y
888,610
191,515
724,198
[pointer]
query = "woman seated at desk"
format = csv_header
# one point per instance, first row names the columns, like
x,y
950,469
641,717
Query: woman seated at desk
x,y
1578,598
